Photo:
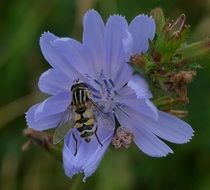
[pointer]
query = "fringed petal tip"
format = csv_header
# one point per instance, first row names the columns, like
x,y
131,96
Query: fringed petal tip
x,y
29,116
88,155
118,15
117,19
150,21
151,144
38,123
173,129
74,171
91,14
71,172
161,155
26,118
47,36
143,29
190,138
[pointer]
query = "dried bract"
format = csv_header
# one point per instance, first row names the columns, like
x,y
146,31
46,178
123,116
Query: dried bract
x,y
178,82
123,138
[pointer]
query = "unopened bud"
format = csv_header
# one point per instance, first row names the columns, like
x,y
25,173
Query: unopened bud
x,y
175,28
171,38
159,18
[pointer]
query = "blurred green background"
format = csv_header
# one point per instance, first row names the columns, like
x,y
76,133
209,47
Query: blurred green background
x,y
21,63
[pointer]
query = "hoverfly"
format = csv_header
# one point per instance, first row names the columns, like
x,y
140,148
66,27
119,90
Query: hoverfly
x,y
80,114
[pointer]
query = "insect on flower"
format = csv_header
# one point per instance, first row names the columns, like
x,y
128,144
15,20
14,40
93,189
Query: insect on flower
x,y
91,86
81,114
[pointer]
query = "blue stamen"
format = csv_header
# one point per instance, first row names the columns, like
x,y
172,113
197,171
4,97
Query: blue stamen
x,y
105,82
95,96
93,89
111,82
97,82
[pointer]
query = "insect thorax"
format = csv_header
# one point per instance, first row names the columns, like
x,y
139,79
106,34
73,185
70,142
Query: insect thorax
x,y
80,96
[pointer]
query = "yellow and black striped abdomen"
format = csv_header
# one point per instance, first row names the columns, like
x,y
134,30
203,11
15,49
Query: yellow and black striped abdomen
x,y
85,126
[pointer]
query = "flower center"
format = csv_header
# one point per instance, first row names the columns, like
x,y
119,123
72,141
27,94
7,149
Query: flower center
x,y
103,90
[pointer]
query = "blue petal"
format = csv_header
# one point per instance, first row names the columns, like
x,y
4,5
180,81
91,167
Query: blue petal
x,y
117,37
93,40
53,82
150,144
53,105
144,139
142,105
43,124
166,126
55,57
139,85
142,29
169,128
74,53
89,154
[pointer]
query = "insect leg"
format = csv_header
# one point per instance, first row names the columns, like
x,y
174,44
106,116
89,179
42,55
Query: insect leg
x,y
97,136
76,141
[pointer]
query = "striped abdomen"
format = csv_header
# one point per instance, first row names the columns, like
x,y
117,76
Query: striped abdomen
x,y
85,126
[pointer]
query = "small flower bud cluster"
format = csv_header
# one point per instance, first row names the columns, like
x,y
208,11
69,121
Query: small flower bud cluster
x,y
123,138
168,65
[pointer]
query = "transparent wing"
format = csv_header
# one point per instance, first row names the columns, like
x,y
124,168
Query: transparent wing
x,y
107,119
63,126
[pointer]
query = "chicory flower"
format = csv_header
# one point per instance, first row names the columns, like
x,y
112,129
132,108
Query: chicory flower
x,y
100,61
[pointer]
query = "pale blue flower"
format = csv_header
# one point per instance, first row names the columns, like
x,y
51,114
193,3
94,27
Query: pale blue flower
x,y
101,62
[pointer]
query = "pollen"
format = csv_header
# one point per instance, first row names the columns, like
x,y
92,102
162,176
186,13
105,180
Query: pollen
x,y
123,138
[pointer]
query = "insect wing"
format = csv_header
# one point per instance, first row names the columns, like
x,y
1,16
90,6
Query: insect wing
x,y
106,118
61,131
63,127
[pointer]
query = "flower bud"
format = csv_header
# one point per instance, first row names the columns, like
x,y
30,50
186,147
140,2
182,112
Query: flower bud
x,y
159,18
174,29
171,38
